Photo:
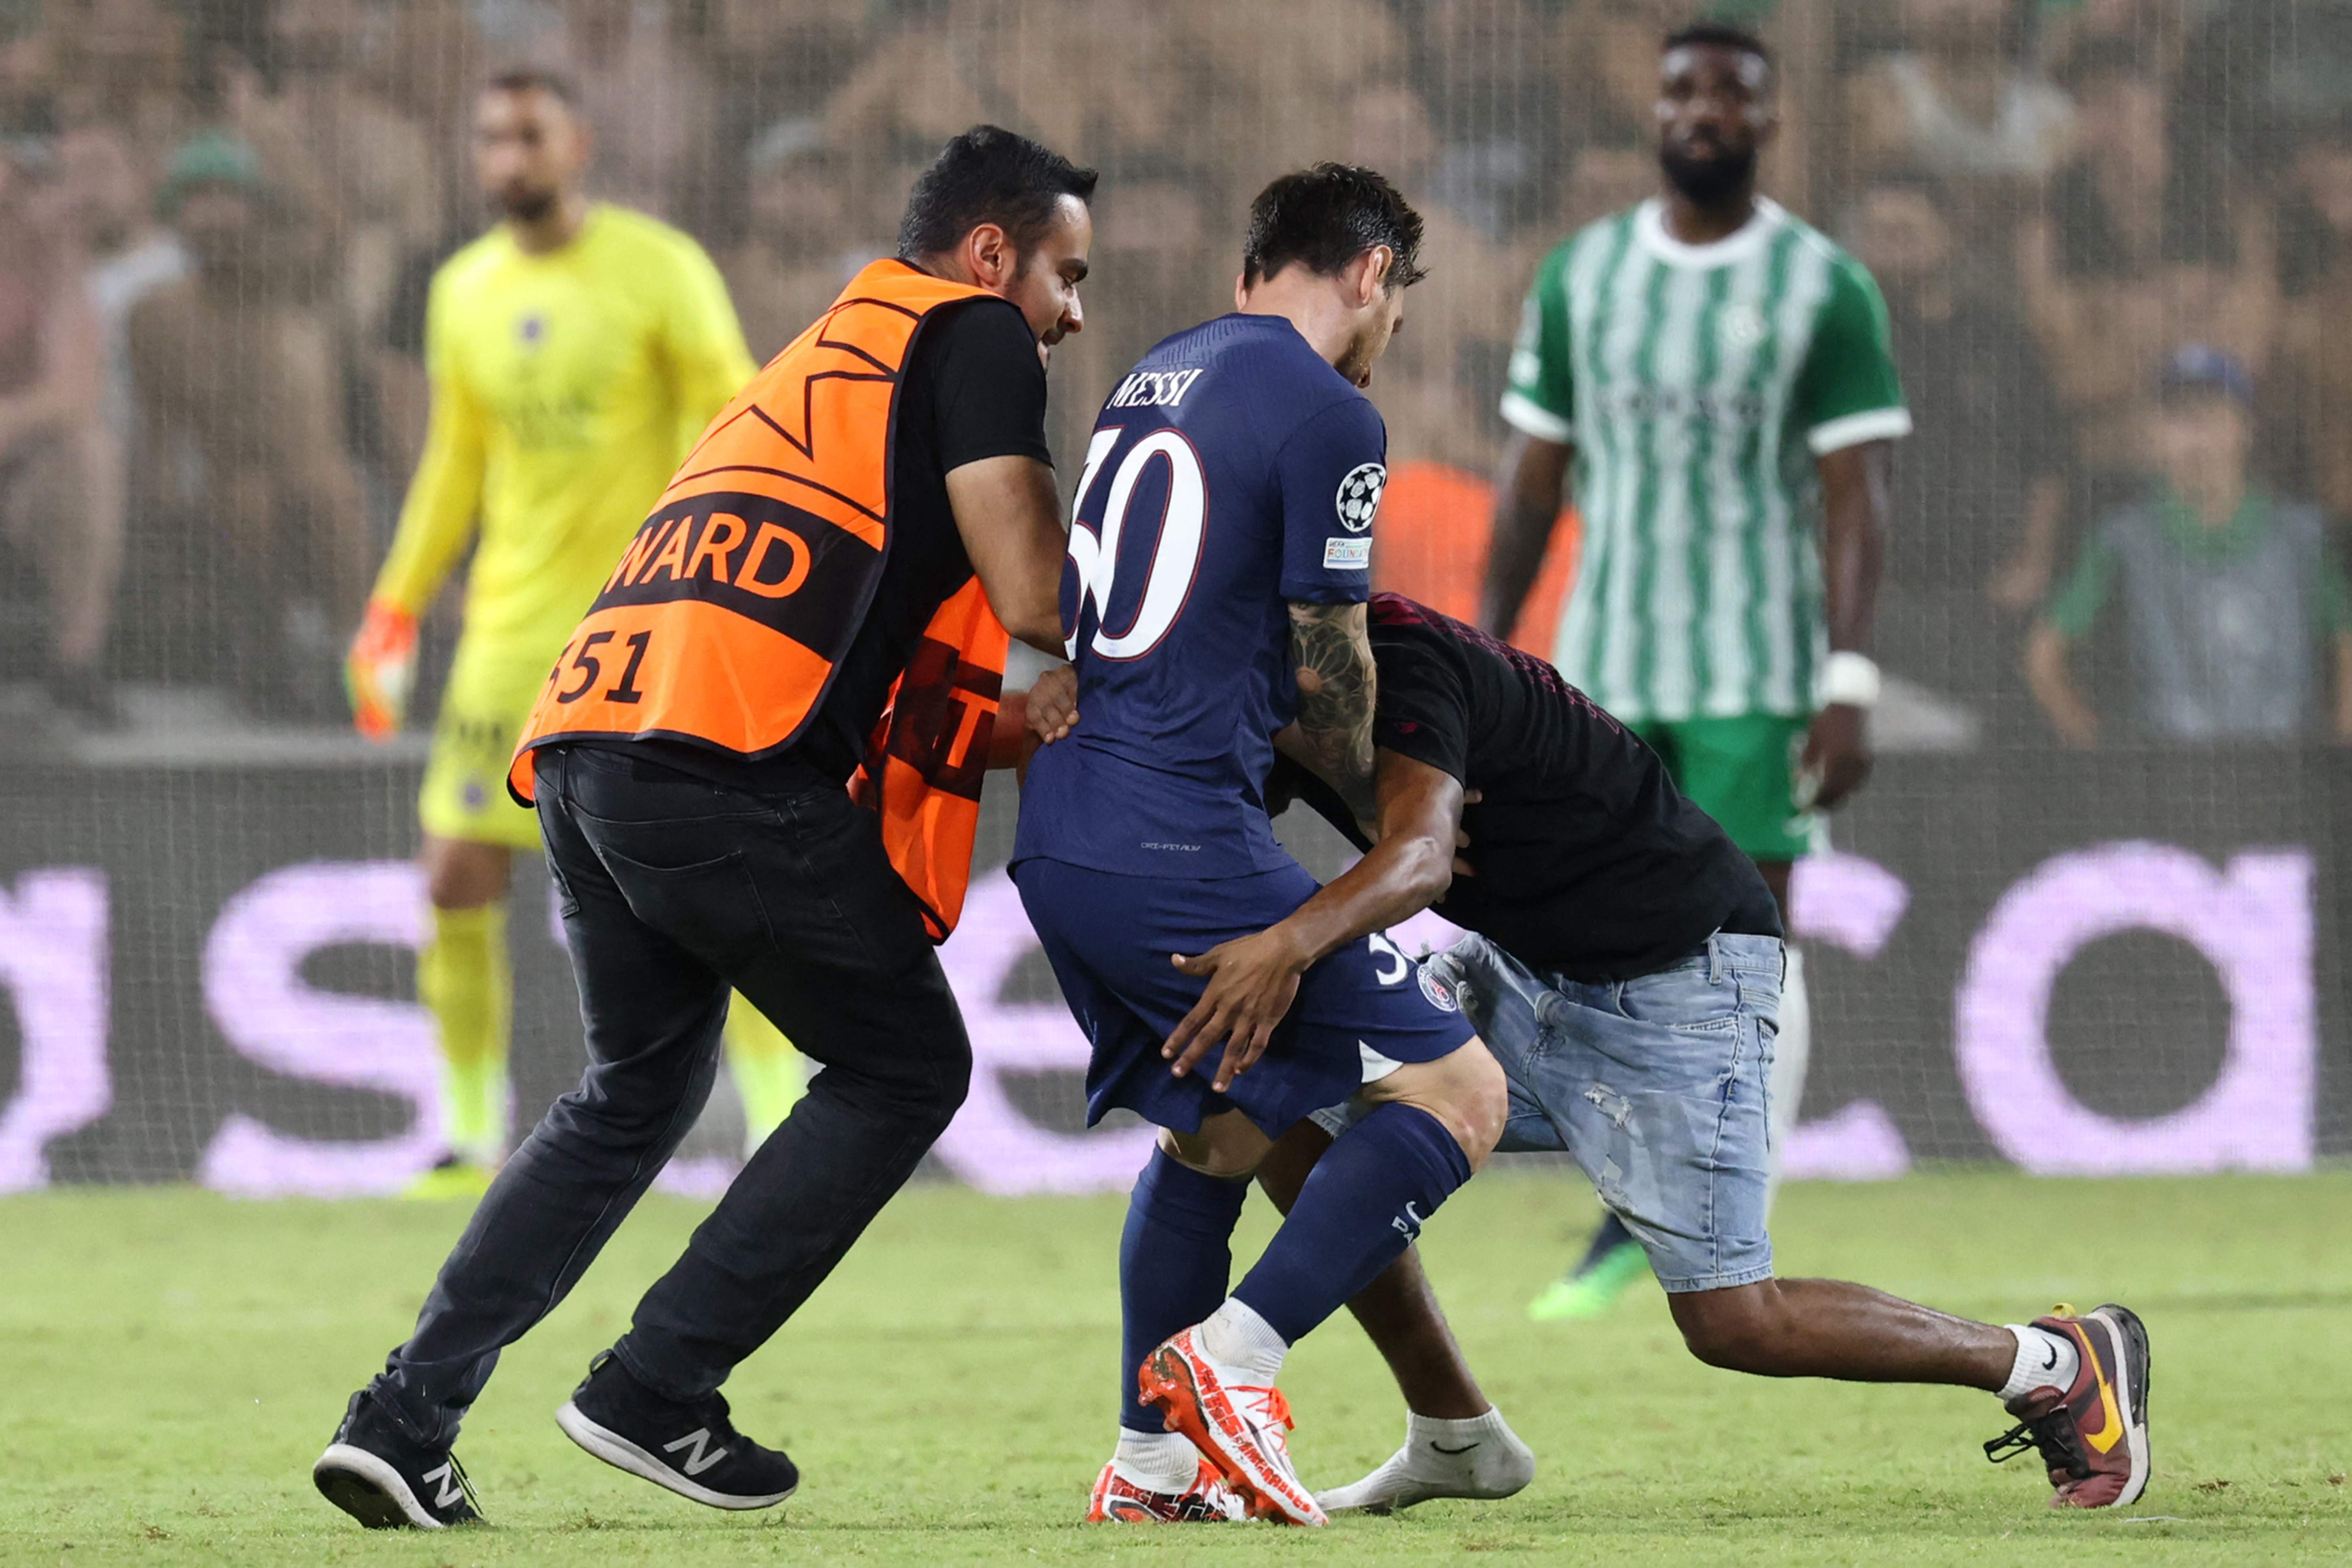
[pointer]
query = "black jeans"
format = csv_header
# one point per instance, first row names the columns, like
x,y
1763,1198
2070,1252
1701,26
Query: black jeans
x,y
673,890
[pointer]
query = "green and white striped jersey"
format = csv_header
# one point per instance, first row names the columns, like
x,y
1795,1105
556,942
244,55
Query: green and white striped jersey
x,y
1697,384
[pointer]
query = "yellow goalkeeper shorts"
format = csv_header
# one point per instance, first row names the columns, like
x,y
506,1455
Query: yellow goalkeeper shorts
x,y
490,695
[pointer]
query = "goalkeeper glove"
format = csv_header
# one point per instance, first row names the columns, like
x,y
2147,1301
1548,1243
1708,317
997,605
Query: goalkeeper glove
x,y
380,669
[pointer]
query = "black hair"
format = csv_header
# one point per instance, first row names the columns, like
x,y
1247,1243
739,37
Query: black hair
x,y
1325,217
536,79
988,174
1716,34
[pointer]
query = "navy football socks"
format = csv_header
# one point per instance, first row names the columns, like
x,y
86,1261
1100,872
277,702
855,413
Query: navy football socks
x,y
1359,1210
1174,1259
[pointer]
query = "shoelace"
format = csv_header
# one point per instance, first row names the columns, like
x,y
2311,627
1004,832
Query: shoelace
x,y
1210,1498
1273,1411
1267,1403
465,1484
2054,1436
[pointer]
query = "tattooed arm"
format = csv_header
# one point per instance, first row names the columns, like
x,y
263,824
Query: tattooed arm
x,y
1333,655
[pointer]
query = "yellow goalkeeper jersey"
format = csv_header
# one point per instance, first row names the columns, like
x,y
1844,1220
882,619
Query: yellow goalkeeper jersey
x,y
566,388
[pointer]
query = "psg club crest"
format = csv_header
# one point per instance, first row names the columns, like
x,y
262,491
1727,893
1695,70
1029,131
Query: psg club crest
x,y
1441,996
1360,496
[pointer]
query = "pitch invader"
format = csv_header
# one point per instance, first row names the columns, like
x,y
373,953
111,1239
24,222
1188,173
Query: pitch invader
x,y
1625,969
575,351
1720,375
1214,596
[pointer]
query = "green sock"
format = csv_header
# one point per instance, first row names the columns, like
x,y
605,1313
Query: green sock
x,y
770,1076
463,977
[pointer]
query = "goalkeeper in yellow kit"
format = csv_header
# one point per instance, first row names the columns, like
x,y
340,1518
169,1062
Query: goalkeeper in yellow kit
x,y
575,351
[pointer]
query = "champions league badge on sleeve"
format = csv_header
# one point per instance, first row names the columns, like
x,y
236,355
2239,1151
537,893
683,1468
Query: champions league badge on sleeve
x,y
1360,496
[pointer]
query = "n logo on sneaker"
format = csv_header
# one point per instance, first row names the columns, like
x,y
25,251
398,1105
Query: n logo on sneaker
x,y
451,1492
696,1462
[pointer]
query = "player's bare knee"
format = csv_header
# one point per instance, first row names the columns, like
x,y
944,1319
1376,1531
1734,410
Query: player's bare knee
x,y
1465,1092
1731,1328
1228,1146
1486,1100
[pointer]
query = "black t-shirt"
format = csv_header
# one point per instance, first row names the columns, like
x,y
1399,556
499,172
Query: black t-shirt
x,y
1586,858
974,388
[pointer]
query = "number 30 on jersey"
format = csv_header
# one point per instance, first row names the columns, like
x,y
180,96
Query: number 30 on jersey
x,y
1103,560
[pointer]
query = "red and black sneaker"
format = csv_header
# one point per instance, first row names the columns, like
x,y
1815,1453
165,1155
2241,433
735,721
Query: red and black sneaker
x,y
2093,1434
1117,1500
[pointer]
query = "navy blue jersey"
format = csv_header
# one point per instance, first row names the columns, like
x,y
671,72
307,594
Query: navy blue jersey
x,y
1232,471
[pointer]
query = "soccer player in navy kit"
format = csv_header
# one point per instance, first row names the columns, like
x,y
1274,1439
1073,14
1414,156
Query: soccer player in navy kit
x,y
1214,596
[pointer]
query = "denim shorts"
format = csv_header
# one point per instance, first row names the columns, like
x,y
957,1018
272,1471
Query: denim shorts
x,y
1657,1086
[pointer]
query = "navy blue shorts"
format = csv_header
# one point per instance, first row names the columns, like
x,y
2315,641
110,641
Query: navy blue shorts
x,y
1359,1013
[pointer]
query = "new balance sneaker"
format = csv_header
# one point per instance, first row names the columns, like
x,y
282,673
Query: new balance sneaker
x,y
2093,1435
1594,1288
387,1480
692,1448
1484,1462
1238,1428
1208,1500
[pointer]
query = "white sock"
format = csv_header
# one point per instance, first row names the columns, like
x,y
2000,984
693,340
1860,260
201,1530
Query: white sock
x,y
1237,1336
1427,1436
1792,1050
1158,1461
1477,1458
2044,1360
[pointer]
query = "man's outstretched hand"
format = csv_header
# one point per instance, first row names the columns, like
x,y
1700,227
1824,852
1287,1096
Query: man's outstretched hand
x,y
1253,979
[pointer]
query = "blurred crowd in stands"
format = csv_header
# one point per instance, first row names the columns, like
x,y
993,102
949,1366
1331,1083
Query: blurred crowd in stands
x,y
2098,224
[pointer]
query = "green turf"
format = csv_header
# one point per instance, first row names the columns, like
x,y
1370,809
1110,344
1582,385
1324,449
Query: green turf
x,y
174,1361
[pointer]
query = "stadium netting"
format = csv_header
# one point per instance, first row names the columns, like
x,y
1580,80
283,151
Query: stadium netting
x,y
2084,917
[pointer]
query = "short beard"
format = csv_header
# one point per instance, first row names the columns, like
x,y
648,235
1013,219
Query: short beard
x,y
1710,182
530,207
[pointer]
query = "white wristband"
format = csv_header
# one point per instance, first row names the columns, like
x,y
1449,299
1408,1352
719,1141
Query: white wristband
x,y
1849,680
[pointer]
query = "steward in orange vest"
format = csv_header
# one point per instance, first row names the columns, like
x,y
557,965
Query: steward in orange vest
x,y
728,616
820,603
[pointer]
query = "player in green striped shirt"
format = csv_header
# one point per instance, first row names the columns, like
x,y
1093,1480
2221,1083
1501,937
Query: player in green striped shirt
x,y
1719,377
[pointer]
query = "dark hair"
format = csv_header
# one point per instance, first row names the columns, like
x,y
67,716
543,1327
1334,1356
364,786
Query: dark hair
x,y
1325,217
1715,35
988,174
535,78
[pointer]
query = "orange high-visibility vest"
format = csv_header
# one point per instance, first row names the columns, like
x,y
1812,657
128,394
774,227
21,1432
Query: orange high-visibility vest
x,y
727,615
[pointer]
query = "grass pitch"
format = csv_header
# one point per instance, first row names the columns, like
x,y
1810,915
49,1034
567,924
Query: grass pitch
x,y
174,1361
